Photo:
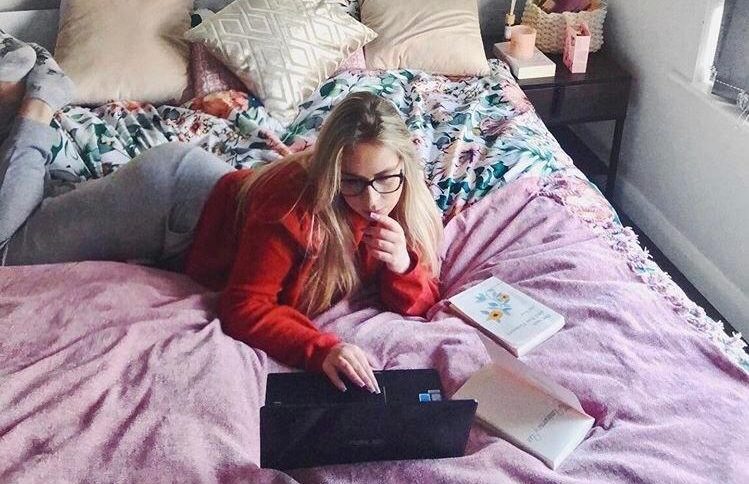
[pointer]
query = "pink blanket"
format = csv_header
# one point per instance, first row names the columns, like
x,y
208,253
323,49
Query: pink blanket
x,y
114,372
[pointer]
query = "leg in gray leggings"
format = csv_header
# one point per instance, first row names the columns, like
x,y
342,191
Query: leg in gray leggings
x,y
146,211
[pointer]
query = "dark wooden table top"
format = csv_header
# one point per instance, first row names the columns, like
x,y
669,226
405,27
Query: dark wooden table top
x,y
601,68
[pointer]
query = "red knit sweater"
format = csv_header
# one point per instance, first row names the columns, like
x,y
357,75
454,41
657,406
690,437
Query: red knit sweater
x,y
260,267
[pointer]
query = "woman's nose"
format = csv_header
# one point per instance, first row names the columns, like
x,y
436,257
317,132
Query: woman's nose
x,y
371,197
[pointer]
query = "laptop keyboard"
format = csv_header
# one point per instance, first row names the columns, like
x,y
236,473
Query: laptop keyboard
x,y
317,389
355,394
397,386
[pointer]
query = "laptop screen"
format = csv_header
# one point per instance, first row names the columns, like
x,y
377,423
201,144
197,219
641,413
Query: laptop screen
x,y
307,421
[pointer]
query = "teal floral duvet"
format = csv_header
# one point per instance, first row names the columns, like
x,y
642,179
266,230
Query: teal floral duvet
x,y
474,134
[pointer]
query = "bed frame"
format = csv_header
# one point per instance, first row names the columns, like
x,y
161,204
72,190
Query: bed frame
x,y
36,20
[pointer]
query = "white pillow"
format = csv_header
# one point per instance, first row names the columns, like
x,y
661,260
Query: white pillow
x,y
437,36
282,49
124,49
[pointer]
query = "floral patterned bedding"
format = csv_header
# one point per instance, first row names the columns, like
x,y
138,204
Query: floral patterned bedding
x,y
474,136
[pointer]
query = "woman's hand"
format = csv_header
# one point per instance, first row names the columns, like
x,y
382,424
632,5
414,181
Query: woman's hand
x,y
352,362
387,241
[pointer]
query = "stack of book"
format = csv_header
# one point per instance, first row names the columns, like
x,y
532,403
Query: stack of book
x,y
537,66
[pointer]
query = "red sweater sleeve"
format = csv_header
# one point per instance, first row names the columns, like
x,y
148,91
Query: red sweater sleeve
x,y
411,293
249,306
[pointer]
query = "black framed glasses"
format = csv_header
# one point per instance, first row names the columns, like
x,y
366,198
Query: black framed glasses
x,y
351,187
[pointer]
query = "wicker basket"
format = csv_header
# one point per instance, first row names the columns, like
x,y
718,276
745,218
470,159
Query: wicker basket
x,y
551,26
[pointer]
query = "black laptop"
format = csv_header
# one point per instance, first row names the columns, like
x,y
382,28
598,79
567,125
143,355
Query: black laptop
x,y
307,422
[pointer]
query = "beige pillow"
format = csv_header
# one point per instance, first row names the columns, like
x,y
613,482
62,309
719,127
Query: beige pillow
x,y
282,49
124,49
437,36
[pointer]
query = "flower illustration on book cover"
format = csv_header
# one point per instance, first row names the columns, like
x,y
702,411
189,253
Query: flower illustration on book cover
x,y
497,304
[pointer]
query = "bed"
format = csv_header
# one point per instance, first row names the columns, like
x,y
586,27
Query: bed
x,y
114,372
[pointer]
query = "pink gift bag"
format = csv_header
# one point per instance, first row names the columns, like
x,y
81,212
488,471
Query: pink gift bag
x,y
576,47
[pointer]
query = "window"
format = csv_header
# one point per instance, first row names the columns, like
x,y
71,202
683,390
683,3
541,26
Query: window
x,y
709,44
730,67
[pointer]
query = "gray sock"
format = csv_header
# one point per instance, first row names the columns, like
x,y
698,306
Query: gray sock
x,y
47,82
16,58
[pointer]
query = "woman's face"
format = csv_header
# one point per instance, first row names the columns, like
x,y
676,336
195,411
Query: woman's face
x,y
363,163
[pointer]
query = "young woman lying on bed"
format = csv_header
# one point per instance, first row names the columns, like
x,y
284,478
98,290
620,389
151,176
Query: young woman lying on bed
x,y
354,210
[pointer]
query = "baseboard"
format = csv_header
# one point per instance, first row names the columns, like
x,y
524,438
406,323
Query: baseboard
x,y
727,298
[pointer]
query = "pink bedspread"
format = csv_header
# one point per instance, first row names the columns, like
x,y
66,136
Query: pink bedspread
x,y
113,372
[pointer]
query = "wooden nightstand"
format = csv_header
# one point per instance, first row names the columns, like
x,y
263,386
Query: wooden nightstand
x,y
600,94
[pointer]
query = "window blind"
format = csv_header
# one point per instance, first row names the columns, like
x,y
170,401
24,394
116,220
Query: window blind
x,y
731,65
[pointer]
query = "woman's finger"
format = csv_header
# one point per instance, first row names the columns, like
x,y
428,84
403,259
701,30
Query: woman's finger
x,y
383,256
384,234
334,378
363,368
350,372
365,364
389,223
383,245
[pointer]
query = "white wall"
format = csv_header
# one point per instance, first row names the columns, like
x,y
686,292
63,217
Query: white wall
x,y
684,170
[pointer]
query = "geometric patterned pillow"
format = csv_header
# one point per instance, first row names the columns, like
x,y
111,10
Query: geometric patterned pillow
x,y
209,75
350,6
282,50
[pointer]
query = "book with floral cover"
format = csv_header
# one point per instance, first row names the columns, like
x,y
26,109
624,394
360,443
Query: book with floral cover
x,y
509,317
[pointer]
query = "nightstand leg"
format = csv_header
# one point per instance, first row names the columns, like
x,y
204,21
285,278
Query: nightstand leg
x,y
616,145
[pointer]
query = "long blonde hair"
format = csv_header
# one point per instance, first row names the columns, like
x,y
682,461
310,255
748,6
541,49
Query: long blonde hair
x,y
360,117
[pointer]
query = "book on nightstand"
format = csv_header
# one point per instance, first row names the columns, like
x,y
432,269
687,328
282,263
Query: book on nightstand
x,y
525,408
506,315
537,66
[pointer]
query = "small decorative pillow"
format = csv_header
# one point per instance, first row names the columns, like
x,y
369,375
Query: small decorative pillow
x,y
282,49
209,75
354,62
124,49
437,36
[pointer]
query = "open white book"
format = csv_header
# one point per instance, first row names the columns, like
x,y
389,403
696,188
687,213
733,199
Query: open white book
x,y
506,315
526,409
